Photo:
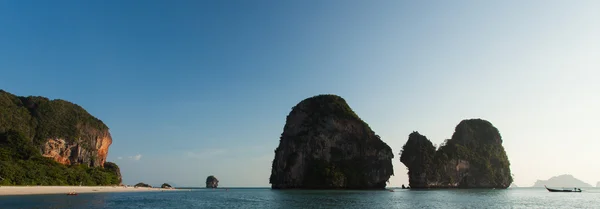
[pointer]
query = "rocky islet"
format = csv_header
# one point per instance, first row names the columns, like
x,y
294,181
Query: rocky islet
x,y
325,145
212,182
473,158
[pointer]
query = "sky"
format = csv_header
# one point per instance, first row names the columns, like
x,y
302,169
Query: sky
x,y
197,88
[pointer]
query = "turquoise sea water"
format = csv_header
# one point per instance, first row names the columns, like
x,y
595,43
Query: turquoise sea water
x,y
266,198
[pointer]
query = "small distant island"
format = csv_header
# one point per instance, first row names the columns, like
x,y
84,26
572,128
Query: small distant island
x,y
52,142
142,184
325,145
473,158
166,186
212,182
565,180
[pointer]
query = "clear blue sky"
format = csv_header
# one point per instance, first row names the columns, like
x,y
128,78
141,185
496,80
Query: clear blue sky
x,y
194,88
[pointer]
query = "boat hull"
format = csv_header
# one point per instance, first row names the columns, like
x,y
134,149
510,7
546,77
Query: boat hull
x,y
562,190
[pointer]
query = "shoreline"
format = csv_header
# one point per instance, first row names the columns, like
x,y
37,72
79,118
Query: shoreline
x,y
38,190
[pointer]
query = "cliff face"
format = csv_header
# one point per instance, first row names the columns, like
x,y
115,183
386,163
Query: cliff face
x,y
472,158
325,145
212,182
92,152
61,130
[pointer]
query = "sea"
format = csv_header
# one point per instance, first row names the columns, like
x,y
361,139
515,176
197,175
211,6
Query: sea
x,y
266,198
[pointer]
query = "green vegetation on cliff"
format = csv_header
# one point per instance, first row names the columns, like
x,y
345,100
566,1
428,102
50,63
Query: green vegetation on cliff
x,y
22,164
39,118
25,124
328,105
474,157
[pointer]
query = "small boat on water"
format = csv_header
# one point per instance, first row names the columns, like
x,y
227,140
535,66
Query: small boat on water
x,y
71,193
563,190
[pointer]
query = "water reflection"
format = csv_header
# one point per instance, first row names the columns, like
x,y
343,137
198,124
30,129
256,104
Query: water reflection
x,y
311,199
54,201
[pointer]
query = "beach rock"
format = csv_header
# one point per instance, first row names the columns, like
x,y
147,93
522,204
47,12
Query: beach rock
x,y
473,158
142,184
62,130
212,182
166,186
325,145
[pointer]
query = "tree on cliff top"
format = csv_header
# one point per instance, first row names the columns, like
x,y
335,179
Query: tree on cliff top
x,y
328,104
40,118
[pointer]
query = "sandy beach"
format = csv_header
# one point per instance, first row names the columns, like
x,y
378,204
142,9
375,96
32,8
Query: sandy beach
x,y
31,190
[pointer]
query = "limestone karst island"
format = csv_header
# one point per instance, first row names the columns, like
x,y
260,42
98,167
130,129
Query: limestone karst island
x,y
472,158
212,182
299,105
325,145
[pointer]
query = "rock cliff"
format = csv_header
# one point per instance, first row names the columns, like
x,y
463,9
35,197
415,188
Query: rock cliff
x,y
61,130
325,145
212,182
473,158
36,130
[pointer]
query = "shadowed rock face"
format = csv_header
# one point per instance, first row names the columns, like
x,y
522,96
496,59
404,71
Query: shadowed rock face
x,y
62,130
417,155
325,145
473,158
212,182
